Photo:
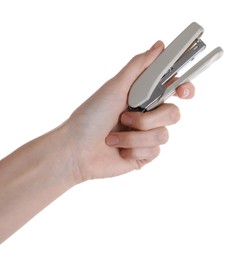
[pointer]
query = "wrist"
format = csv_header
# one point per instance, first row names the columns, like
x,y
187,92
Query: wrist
x,y
60,157
69,142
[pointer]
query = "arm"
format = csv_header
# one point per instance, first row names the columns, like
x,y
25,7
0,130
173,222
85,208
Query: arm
x,y
30,178
88,145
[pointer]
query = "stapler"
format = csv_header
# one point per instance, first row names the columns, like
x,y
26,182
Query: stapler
x,y
150,90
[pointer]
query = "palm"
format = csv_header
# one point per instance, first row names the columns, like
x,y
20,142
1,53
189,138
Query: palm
x,y
95,119
107,162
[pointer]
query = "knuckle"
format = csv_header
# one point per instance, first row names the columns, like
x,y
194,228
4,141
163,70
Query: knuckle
x,y
139,59
174,114
135,58
152,153
163,135
156,151
142,125
143,122
135,153
138,121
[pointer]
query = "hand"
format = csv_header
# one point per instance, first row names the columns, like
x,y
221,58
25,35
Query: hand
x,y
100,139
98,146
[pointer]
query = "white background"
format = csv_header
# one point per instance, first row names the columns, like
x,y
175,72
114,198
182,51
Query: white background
x,y
184,205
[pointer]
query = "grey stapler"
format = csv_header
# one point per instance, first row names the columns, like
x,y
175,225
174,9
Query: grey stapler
x,y
149,90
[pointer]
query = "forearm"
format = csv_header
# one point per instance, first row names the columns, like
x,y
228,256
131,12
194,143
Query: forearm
x,y
31,178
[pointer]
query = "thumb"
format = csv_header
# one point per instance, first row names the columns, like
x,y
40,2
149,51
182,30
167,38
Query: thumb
x,y
126,77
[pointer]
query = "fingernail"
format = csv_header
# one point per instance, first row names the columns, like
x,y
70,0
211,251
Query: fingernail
x,y
112,140
126,119
156,45
186,93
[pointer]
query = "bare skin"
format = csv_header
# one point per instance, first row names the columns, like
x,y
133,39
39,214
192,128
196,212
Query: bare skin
x,y
92,143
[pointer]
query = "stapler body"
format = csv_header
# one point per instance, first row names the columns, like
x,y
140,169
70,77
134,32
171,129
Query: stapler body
x,y
149,90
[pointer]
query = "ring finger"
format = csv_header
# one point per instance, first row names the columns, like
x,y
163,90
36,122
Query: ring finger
x,y
138,139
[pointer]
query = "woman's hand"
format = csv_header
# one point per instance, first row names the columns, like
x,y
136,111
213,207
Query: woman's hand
x,y
100,139
105,139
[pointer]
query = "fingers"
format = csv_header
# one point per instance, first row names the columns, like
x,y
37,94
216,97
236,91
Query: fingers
x,y
166,114
142,155
147,133
126,77
138,139
186,91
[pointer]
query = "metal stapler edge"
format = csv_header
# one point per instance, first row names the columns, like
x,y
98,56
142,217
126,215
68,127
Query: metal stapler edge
x,y
149,90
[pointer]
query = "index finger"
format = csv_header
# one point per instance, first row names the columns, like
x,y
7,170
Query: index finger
x,y
186,91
